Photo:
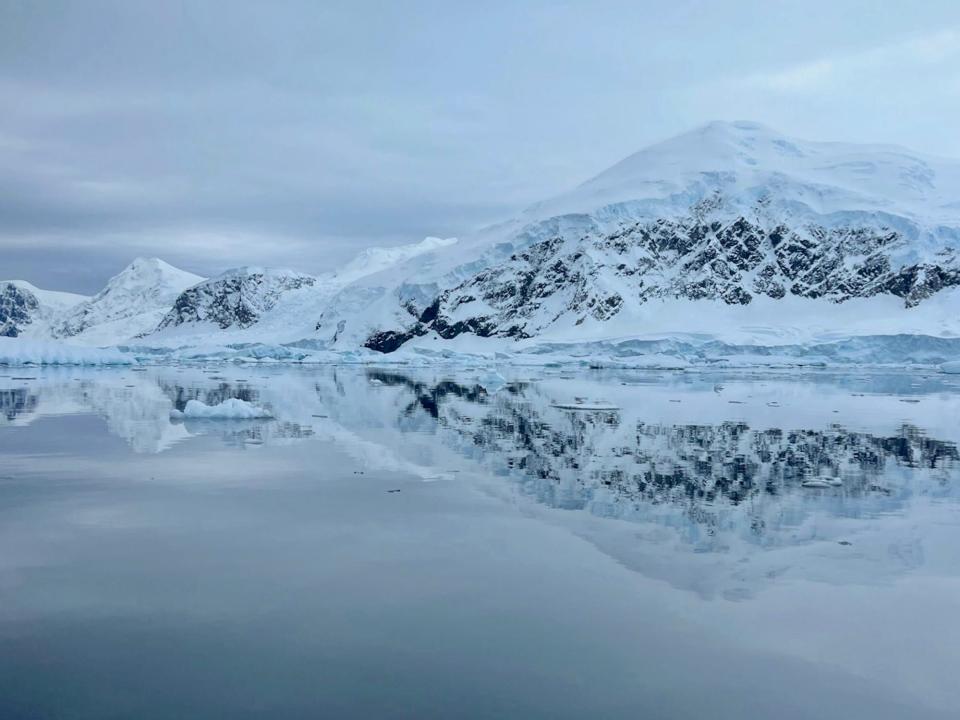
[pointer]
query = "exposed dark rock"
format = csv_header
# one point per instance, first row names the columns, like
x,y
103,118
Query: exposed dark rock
x,y
388,341
235,300
701,257
17,307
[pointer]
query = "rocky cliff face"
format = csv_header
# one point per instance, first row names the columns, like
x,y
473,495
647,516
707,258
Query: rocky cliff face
x,y
131,303
730,261
730,234
724,215
236,299
18,307
28,311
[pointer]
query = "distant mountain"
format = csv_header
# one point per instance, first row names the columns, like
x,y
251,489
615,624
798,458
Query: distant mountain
x,y
152,298
255,304
133,302
236,299
28,311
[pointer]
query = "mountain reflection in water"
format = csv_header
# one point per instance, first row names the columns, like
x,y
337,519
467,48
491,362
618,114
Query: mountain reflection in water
x,y
478,542
714,464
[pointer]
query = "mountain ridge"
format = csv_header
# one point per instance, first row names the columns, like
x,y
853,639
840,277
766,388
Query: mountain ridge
x,y
737,232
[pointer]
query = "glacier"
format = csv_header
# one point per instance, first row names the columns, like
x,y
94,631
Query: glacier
x,y
38,352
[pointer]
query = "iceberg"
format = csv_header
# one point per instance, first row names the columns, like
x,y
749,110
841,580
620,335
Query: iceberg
x,y
232,409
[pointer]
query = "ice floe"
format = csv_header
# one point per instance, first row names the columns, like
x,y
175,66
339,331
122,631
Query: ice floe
x,y
232,409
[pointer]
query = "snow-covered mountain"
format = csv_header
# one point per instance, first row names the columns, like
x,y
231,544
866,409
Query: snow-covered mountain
x,y
28,311
236,299
374,260
729,226
254,304
731,239
152,303
133,302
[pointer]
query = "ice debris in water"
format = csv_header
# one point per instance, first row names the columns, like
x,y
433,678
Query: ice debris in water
x,y
952,368
822,482
232,409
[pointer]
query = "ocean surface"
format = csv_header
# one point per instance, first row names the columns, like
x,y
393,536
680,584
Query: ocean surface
x,y
479,543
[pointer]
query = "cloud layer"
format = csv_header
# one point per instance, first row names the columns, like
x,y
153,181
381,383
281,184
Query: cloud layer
x,y
218,134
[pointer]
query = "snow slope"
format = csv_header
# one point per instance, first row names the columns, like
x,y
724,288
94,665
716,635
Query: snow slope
x,y
26,310
731,232
747,158
132,303
236,299
271,305
375,260
729,242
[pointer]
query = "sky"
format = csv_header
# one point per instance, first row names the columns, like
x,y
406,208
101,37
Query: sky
x,y
218,134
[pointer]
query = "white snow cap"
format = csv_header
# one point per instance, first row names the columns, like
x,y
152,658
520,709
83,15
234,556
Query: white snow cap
x,y
746,156
377,259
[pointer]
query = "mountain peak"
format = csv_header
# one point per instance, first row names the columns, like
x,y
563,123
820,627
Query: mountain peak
x,y
729,129
147,262
744,160
718,145
152,275
153,265
133,299
267,272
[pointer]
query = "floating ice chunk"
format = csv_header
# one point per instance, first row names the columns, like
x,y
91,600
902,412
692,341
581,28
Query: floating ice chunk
x,y
492,381
953,368
232,409
822,482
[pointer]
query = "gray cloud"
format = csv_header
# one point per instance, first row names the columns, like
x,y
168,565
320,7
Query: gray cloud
x,y
218,134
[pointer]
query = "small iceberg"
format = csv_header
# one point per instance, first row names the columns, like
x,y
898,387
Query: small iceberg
x,y
822,482
232,409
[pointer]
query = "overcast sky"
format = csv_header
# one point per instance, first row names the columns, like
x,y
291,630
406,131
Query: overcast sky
x,y
217,134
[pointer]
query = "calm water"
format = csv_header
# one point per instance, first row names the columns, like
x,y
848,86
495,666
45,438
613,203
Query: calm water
x,y
436,544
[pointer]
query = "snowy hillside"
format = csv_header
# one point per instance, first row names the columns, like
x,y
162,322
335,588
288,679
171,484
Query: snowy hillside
x,y
237,298
133,302
375,260
28,311
170,306
730,242
747,161
271,305
710,233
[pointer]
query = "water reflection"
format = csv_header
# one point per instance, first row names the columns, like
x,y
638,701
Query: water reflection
x,y
668,557
708,464
17,401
